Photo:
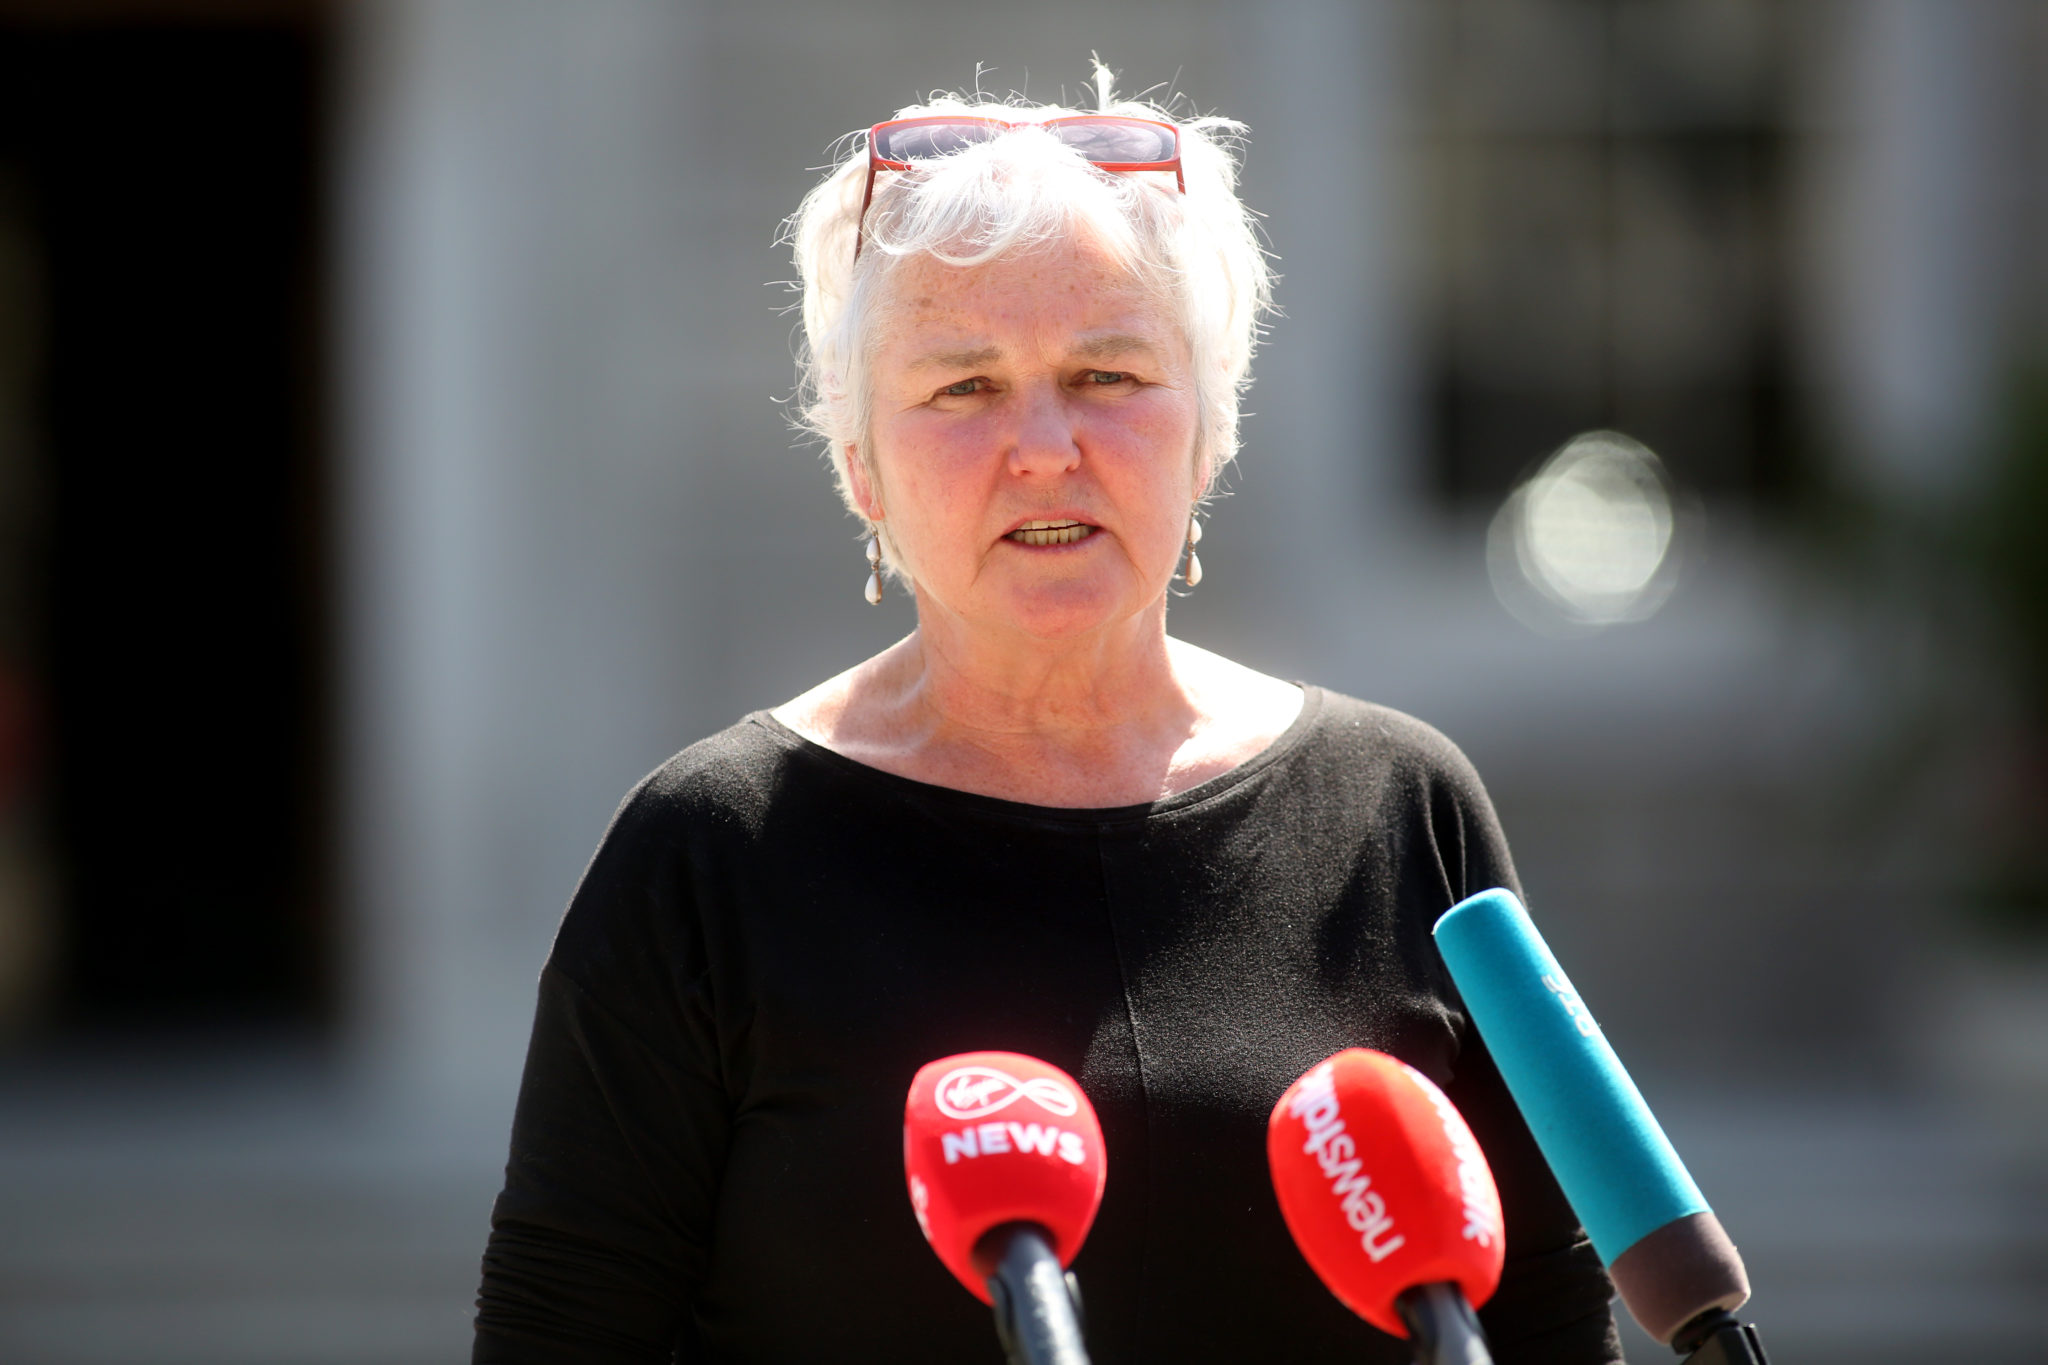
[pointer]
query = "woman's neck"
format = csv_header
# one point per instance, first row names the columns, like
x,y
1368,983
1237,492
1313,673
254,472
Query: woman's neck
x,y
1120,718
1029,691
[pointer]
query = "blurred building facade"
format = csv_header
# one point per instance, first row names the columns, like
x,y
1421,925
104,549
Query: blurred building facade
x,y
1781,245
537,520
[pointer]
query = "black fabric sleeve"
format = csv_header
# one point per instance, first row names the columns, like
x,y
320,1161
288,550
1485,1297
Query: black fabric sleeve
x,y
1554,1304
604,1225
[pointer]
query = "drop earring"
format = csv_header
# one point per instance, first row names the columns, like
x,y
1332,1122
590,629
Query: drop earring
x,y
1193,573
874,593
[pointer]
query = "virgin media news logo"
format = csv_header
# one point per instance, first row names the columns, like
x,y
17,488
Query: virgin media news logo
x,y
974,1092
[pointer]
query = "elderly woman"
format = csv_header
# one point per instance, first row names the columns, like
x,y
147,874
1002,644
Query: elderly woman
x,y
1037,824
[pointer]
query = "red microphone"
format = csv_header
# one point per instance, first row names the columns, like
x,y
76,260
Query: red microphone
x,y
1005,1165
1390,1200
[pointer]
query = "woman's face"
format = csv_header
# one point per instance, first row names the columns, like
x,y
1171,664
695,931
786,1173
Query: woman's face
x,y
1033,437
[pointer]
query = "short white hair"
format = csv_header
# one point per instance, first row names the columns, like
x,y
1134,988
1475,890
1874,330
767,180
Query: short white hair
x,y
1199,252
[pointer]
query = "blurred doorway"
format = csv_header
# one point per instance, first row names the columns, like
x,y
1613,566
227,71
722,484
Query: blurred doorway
x,y
1607,195
161,597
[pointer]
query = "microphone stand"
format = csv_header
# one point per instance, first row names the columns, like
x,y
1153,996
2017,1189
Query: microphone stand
x,y
1038,1305
1442,1325
1717,1338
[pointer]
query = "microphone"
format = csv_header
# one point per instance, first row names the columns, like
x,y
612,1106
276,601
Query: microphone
x,y
1669,1257
1005,1164
1390,1200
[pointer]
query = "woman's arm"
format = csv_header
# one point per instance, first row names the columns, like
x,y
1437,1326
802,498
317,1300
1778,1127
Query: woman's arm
x,y
1554,1304
603,1228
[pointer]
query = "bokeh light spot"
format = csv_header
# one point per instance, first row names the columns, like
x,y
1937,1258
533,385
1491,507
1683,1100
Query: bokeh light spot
x,y
1590,531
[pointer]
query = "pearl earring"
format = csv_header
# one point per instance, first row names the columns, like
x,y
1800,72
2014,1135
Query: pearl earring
x,y
874,593
1193,573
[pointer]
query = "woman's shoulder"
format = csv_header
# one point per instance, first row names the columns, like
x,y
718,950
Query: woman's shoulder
x,y
730,775
1400,773
639,895
1356,732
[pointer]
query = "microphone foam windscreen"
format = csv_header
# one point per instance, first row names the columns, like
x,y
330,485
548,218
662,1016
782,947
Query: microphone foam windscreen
x,y
1383,1185
997,1137
1614,1163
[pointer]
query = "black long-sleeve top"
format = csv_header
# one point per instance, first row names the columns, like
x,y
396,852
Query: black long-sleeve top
x,y
706,1158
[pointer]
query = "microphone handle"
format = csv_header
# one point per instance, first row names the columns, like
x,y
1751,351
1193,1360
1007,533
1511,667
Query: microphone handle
x,y
1717,1337
1442,1325
1038,1305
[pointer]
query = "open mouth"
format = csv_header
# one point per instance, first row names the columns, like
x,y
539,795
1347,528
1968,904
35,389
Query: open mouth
x,y
1051,532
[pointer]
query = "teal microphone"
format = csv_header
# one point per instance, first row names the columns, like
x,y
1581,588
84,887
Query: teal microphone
x,y
1668,1255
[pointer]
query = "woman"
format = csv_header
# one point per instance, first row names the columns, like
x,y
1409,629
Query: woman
x,y
1037,824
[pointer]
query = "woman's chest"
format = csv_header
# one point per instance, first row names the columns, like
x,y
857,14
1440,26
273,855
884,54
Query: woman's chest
x,y
1184,981
1188,958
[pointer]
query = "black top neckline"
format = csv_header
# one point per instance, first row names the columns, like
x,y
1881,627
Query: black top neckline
x,y
1286,743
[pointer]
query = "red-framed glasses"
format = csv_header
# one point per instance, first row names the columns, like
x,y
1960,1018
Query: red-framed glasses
x,y
1110,141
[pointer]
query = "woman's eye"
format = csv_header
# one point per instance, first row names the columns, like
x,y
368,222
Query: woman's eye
x,y
965,388
1106,377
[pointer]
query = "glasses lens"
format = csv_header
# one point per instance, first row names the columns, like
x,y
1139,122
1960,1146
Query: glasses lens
x,y
1112,141
920,141
1117,142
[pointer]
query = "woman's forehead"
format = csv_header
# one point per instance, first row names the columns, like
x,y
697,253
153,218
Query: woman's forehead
x,y
1080,295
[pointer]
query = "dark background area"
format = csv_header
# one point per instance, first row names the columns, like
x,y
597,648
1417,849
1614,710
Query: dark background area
x,y
169,181
1615,216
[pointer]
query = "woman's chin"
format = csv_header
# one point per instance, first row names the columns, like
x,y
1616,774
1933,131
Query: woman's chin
x,y
1060,608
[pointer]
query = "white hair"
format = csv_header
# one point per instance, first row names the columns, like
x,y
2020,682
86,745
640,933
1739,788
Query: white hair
x,y
1198,252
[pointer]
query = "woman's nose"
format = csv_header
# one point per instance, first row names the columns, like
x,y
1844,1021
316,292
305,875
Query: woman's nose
x,y
1047,435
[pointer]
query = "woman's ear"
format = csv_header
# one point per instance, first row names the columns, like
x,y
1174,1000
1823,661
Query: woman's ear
x,y
857,480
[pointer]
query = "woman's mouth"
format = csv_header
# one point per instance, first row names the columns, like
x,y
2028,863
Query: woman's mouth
x,y
1051,532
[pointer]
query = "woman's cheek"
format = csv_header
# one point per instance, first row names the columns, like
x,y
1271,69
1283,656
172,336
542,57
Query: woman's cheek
x,y
948,442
